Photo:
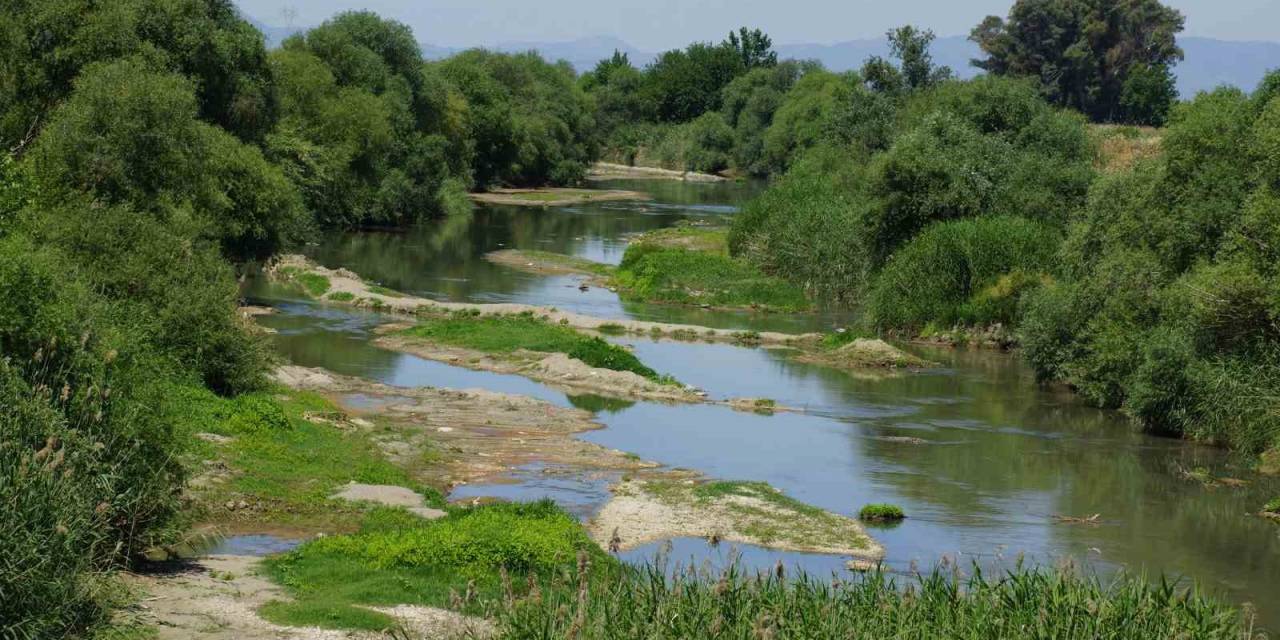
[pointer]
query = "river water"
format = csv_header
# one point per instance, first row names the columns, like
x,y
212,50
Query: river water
x,y
1001,457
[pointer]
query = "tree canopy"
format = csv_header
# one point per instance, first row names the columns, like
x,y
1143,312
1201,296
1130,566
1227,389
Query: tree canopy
x,y
1109,60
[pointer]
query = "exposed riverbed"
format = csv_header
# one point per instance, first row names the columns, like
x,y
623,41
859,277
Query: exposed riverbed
x,y
981,459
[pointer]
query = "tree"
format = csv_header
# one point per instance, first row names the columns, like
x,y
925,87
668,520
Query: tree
x,y
1091,55
754,47
910,46
687,83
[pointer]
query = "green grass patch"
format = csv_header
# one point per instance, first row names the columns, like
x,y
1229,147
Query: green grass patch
x,y
455,562
289,464
511,333
313,283
714,240
660,274
383,291
881,513
342,296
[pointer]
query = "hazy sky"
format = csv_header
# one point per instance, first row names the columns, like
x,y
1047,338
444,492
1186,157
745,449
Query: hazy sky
x,y
661,24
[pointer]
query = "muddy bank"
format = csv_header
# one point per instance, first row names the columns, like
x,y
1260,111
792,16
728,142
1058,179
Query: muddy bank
x,y
611,171
644,511
554,197
467,436
341,286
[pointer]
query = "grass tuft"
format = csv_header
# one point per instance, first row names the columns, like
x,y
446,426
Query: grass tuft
x,y
881,513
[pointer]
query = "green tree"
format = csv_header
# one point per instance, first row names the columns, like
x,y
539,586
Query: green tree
x,y
1148,95
688,83
754,47
205,40
910,46
1086,54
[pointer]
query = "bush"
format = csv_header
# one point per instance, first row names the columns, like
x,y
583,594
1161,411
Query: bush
x,y
969,272
881,512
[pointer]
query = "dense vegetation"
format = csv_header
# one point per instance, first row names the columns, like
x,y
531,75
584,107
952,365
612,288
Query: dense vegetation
x,y
1145,282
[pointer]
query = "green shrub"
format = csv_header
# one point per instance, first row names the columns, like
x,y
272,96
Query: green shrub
x,y
1273,506
881,513
970,272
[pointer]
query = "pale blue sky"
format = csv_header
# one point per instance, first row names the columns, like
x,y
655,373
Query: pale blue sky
x,y
662,24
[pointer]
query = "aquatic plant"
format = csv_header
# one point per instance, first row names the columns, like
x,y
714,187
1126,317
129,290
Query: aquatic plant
x,y
881,513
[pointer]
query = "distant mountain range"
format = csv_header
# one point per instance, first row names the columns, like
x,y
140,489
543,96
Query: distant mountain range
x,y
1209,62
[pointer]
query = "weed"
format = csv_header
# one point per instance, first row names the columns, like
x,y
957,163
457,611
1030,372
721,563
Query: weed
x,y
313,283
383,291
342,296
611,329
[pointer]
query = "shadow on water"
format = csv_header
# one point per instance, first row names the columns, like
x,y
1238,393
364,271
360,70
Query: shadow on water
x,y
980,457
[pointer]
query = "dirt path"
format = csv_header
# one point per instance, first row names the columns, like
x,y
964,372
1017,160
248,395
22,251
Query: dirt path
x,y
217,598
354,291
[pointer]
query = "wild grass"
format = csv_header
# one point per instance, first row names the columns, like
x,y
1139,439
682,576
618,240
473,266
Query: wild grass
x,y
1273,506
659,274
505,334
650,602
342,296
383,291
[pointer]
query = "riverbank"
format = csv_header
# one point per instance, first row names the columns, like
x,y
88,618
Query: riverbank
x,y
612,171
554,197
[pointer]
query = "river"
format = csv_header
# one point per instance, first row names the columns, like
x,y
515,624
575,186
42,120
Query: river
x,y
1001,455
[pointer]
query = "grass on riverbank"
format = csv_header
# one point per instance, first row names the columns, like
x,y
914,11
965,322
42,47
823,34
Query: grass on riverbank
x,y
531,570
688,265
506,334
650,603
283,454
472,561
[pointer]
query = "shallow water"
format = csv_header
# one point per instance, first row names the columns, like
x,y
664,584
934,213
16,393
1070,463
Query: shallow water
x,y
1001,456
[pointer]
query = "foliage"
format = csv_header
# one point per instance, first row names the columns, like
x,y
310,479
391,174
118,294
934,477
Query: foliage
x,y
806,117
531,122
969,272
881,512
910,46
1169,308
204,40
130,134
511,333
687,83
1110,62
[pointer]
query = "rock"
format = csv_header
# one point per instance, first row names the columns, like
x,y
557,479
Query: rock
x,y
861,566
214,438
231,505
